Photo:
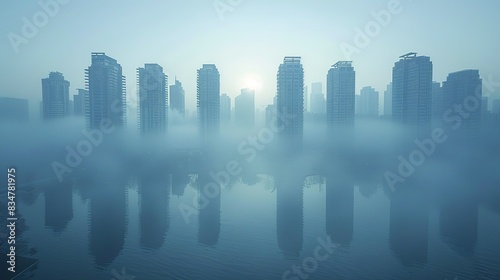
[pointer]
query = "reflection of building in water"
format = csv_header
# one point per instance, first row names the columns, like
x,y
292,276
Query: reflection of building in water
x,y
339,208
107,222
458,221
209,207
58,206
179,183
289,214
154,210
409,220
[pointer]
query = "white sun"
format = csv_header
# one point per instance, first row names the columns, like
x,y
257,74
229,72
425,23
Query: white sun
x,y
252,82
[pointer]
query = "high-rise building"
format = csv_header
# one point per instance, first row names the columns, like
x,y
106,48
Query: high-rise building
x,y
14,109
177,98
306,99
80,103
317,98
368,102
463,92
438,106
208,95
106,86
152,95
244,108
290,102
341,95
55,96
270,114
388,100
225,108
412,92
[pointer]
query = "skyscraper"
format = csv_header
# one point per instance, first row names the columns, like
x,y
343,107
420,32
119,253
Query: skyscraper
x,y
438,106
290,102
388,100
225,108
341,95
177,98
244,108
106,86
80,102
463,93
55,96
152,95
368,102
306,99
318,102
208,95
411,92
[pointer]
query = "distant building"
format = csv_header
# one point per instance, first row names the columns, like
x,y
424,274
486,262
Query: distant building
x,y
412,92
55,97
80,102
106,86
438,106
177,98
270,114
208,96
317,99
388,100
463,90
225,108
244,108
152,96
290,102
368,103
306,99
14,109
341,95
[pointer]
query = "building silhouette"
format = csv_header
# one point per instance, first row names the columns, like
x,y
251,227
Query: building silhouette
x,y
244,108
154,190
14,109
340,95
438,106
209,217
317,99
463,92
58,206
290,102
106,86
388,100
152,95
368,103
178,98
208,95
80,103
409,224
411,92
55,97
339,207
225,108
289,213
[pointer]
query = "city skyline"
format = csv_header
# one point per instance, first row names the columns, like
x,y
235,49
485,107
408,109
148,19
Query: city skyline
x,y
337,27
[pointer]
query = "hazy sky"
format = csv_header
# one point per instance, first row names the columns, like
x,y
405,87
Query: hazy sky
x,y
247,43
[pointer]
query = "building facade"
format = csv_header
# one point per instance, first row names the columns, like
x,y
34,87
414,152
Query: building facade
x,y
340,108
412,92
55,97
290,102
107,96
208,96
153,99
